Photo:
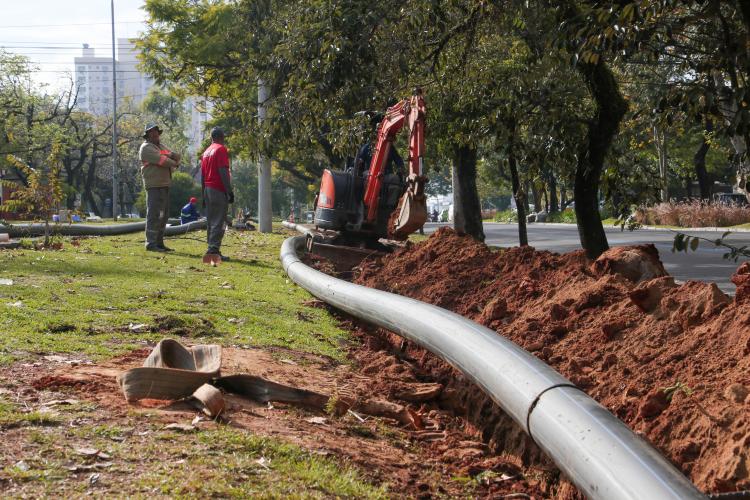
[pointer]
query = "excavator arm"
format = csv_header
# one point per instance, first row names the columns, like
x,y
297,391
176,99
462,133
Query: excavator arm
x,y
411,212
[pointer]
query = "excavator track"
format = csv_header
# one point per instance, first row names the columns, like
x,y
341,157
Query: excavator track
x,y
343,251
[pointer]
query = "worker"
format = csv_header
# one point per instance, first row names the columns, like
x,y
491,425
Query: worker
x,y
157,165
189,212
217,190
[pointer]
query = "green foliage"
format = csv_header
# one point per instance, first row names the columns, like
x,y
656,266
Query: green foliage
x,y
567,216
506,216
182,189
676,388
683,242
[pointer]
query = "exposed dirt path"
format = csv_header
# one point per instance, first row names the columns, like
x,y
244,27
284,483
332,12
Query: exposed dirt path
x,y
434,453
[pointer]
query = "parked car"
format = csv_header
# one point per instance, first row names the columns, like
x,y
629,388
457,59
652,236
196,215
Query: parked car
x,y
738,199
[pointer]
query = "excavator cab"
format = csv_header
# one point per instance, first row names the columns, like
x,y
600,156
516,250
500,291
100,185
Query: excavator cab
x,y
372,204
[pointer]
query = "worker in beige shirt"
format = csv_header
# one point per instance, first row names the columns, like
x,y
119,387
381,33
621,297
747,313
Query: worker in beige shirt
x,y
157,165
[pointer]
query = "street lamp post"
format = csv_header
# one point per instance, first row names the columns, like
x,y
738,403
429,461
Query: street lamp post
x,y
114,121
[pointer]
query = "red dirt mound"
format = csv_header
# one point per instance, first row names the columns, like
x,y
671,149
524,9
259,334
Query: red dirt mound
x,y
673,362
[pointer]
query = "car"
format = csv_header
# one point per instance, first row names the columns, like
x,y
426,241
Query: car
x,y
738,199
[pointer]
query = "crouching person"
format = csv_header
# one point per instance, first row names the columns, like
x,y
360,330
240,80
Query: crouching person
x,y
189,212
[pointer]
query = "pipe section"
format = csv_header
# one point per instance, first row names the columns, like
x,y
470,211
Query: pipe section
x,y
28,230
598,452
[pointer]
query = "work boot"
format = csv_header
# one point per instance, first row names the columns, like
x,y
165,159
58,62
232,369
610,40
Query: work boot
x,y
154,248
224,258
165,248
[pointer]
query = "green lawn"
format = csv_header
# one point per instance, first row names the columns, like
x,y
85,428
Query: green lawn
x,y
89,299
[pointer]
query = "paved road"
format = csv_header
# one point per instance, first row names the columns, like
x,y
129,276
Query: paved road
x,y
705,264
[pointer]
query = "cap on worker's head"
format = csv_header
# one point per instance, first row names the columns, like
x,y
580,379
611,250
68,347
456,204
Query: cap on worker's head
x,y
193,199
151,126
217,133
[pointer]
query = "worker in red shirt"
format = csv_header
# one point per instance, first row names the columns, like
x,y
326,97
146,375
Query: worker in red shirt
x,y
217,190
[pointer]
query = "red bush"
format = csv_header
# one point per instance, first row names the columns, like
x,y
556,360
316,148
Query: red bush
x,y
693,214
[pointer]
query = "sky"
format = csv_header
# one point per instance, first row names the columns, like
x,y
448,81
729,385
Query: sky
x,y
52,32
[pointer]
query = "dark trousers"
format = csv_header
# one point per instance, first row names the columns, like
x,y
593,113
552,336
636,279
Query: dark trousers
x,y
157,213
216,215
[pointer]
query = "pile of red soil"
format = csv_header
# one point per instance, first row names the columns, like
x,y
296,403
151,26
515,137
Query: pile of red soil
x,y
673,362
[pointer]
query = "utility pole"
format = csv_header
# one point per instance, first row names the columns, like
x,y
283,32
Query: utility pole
x,y
115,185
264,167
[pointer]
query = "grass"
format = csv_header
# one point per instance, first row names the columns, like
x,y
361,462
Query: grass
x,y
12,416
87,300
148,460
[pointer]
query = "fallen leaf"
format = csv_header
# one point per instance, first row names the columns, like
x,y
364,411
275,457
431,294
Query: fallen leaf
x,y
6,281
87,452
90,467
21,465
56,358
180,427
317,420
289,362
263,462
137,327
57,402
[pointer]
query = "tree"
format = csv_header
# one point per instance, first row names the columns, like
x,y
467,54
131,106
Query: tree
x,y
43,192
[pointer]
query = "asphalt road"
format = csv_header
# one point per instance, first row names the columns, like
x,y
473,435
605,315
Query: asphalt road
x,y
705,264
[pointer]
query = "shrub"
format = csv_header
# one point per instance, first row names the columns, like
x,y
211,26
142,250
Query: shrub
x,y
506,216
567,216
693,214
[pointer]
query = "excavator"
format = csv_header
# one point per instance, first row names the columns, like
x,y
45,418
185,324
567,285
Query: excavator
x,y
365,203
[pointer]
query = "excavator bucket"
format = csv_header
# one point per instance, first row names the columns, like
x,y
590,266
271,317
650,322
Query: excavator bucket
x,y
411,214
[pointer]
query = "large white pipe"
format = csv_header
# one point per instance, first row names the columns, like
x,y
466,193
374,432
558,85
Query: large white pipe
x,y
26,230
598,452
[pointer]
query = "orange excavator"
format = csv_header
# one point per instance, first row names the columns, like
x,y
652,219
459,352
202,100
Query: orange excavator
x,y
366,204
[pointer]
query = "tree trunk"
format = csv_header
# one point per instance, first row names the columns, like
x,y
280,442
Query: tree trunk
x,y
688,187
537,195
88,194
518,195
610,108
465,194
699,161
554,205
660,141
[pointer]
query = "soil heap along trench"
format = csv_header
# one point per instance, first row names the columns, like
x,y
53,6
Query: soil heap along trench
x,y
671,361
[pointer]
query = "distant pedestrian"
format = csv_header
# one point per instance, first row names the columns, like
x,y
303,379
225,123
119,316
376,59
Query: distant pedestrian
x,y
189,212
157,165
217,190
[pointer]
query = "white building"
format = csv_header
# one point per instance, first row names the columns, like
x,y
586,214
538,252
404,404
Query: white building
x,y
94,83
